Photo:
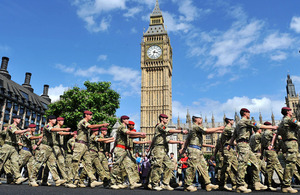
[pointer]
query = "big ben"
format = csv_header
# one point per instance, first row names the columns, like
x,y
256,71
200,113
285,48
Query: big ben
x,y
156,67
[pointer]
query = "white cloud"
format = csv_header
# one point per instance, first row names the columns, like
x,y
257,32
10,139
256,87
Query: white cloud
x,y
55,92
65,68
4,48
172,24
102,57
133,11
279,56
207,107
295,24
295,79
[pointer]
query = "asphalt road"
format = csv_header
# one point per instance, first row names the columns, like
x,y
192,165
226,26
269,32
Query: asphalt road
x,y
25,189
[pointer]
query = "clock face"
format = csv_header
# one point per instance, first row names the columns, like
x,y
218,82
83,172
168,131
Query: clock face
x,y
154,52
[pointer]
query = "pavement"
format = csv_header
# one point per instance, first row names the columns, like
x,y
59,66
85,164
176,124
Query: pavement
x,y
25,189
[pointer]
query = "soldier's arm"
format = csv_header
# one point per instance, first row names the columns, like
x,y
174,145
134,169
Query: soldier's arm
x,y
65,133
214,130
142,142
36,137
106,139
175,142
97,125
21,131
178,131
60,129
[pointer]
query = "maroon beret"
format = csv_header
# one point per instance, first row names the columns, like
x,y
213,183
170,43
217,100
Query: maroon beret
x,y
131,123
103,129
284,110
88,112
60,119
32,126
245,110
163,116
124,117
267,123
95,129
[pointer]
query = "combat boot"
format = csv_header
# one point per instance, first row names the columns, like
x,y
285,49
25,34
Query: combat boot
x,y
210,187
59,182
157,188
149,186
135,185
81,185
289,190
258,186
191,188
70,185
167,187
272,189
20,180
115,187
45,184
225,187
122,186
33,184
96,183
243,189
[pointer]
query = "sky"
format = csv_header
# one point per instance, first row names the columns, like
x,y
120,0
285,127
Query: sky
x,y
227,54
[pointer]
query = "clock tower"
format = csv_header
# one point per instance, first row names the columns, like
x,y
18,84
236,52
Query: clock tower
x,y
156,66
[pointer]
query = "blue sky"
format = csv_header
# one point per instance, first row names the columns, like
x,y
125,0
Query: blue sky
x,y
226,54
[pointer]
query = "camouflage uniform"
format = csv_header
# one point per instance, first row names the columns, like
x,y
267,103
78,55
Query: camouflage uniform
x,y
9,152
59,153
7,165
271,156
45,155
230,158
255,144
103,159
288,129
196,160
242,134
68,162
2,137
122,158
81,151
160,159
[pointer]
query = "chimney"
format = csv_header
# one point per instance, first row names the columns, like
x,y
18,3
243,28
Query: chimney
x,y
27,82
3,69
45,93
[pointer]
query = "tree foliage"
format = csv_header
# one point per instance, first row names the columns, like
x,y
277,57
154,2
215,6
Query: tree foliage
x,y
97,98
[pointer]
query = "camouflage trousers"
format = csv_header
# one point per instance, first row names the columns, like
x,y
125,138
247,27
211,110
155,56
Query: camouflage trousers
x,y
273,164
97,166
60,160
104,163
123,159
290,154
46,156
296,173
81,152
229,166
26,158
68,164
261,163
245,156
9,154
196,162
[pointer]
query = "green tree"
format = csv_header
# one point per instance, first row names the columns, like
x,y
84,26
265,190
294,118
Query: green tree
x,y
98,98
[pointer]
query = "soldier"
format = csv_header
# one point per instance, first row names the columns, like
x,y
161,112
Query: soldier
x,y
230,160
26,154
122,157
288,129
9,150
196,161
159,150
3,135
81,149
255,145
267,149
242,135
68,162
46,153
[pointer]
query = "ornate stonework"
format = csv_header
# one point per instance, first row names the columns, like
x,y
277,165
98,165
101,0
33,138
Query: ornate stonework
x,y
156,66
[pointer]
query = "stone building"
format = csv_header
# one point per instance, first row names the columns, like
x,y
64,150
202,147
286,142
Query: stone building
x,y
292,99
156,66
18,99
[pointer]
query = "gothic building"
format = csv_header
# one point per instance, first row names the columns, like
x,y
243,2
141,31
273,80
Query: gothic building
x,y
18,99
292,99
156,66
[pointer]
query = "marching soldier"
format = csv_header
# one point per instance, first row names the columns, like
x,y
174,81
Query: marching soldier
x,y
242,135
159,151
288,129
68,162
9,151
81,149
273,164
196,161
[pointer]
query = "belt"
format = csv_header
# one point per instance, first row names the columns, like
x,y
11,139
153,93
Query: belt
x,y
292,140
27,149
69,152
122,146
82,142
93,150
11,144
195,146
242,140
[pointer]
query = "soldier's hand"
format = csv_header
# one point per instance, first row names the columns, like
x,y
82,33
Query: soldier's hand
x,y
228,147
34,147
181,142
105,124
221,128
112,138
270,147
68,129
143,134
275,127
185,131
180,151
